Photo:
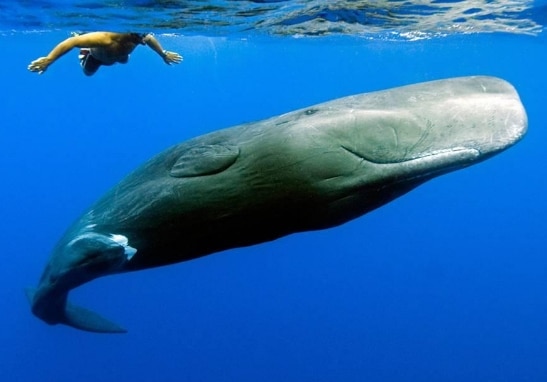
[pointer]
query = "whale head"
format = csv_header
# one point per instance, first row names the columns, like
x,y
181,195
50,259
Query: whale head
x,y
359,152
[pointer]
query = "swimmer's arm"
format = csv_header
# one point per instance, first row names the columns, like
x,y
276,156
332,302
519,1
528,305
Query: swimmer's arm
x,y
88,40
168,57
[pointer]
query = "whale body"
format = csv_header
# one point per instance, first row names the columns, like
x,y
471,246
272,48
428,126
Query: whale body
x,y
309,169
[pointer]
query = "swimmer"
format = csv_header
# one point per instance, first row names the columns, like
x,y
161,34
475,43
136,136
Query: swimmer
x,y
103,48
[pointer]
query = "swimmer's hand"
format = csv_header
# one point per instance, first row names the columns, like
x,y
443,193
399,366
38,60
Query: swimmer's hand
x,y
171,57
39,65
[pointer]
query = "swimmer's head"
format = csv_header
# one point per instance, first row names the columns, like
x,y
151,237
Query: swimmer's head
x,y
137,38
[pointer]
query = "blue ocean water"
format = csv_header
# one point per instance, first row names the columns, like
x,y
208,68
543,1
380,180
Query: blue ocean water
x,y
447,283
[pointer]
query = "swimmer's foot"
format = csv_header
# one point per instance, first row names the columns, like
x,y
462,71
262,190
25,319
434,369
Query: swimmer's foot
x,y
84,52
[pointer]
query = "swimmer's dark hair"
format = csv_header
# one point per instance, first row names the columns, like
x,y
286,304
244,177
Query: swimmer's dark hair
x,y
138,37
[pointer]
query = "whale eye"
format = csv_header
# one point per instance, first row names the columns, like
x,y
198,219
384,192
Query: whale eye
x,y
311,111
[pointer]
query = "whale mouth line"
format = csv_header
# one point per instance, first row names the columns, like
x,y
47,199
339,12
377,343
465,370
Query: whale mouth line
x,y
456,152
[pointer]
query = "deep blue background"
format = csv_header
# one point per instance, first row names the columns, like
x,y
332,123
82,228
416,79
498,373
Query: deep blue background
x,y
447,283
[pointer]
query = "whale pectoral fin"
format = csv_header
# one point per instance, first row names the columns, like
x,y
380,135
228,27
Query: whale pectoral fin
x,y
80,318
204,160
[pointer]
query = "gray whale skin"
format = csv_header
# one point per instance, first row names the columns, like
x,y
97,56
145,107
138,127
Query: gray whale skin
x,y
310,169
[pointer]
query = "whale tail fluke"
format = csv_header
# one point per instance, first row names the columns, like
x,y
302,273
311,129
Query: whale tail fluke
x,y
79,318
